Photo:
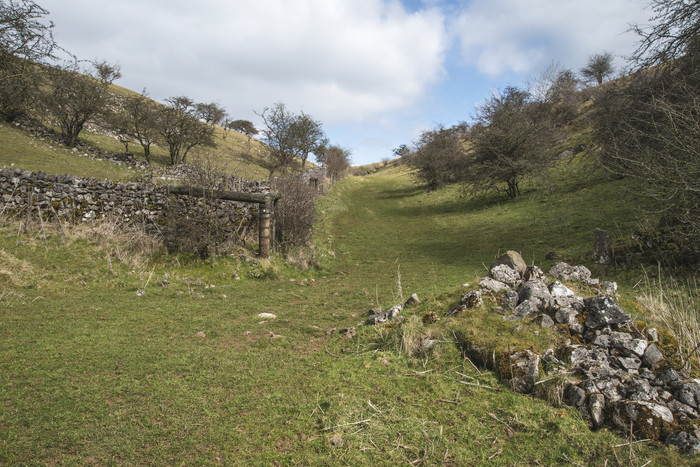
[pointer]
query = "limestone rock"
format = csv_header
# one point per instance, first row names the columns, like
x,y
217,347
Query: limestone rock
x,y
493,285
505,274
685,442
511,259
508,299
652,355
472,299
534,273
535,291
525,369
559,290
596,407
412,300
604,312
566,272
544,321
526,308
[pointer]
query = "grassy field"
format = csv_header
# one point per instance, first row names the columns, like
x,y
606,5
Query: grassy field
x,y
94,373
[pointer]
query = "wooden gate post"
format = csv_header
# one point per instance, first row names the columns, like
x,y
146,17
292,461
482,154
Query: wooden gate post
x,y
265,201
264,237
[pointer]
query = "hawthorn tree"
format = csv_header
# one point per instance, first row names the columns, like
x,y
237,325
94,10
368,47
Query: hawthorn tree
x,y
25,40
180,128
289,138
510,142
135,118
599,67
242,126
648,123
212,113
75,95
336,161
439,156
309,136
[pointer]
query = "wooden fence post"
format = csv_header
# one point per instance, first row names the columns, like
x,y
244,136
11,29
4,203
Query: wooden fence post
x,y
264,230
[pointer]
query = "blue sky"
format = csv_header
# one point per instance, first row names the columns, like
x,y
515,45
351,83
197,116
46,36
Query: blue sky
x,y
374,72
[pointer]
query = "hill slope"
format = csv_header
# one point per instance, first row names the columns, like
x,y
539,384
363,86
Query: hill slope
x,y
94,372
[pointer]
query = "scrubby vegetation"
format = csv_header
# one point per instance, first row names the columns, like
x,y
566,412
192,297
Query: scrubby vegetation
x,y
115,350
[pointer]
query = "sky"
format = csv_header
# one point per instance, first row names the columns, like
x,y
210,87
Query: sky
x,y
375,73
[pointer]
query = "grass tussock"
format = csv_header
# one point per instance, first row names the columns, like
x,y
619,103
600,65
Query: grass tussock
x,y
676,305
14,271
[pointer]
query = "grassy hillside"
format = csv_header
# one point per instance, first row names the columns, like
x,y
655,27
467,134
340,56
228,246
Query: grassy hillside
x,y
95,373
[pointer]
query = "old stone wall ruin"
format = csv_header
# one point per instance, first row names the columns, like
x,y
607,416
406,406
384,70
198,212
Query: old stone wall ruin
x,y
71,198
616,372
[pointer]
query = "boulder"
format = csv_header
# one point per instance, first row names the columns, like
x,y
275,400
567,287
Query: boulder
x,y
640,390
684,442
508,299
534,273
505,274
525,370
412,300
535,291
493,285
566,272
569,316
688,394
511,259
603,312
544,321
593,363
652,355
526,308
596,408
559,290
472,299
622,341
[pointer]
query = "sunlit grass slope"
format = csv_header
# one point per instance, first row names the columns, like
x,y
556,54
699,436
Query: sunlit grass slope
x,y
93,372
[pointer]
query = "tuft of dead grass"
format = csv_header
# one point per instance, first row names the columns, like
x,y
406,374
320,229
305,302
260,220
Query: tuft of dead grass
x,y
675,304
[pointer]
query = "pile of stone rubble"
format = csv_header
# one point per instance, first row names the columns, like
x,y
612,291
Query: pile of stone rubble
x,y
616,373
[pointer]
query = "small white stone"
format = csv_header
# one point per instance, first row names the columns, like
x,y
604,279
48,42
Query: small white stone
x,y
267,315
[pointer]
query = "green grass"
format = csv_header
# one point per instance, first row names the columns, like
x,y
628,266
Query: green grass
x,y
94,373
19,150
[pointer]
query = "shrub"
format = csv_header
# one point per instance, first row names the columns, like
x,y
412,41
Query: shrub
x,y
295,212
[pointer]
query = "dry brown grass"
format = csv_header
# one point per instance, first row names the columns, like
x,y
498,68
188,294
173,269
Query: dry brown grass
x,y
676,305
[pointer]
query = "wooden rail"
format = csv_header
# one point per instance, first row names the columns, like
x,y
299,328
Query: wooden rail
x,y
265,200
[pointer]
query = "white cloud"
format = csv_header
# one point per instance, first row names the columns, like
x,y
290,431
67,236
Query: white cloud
x,y
504,36
339,60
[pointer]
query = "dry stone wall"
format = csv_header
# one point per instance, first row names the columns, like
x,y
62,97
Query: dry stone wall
x,y
72,198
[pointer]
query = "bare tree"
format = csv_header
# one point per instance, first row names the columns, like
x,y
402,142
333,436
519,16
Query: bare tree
x,y
25,40
510,142
336,161
242,126
75,95
23,33
647,124
180,128
310,137
439,157
673,32
212,113
135,118
599,67
289,138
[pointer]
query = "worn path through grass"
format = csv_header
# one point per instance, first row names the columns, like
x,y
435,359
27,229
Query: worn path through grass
x,y
94,373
